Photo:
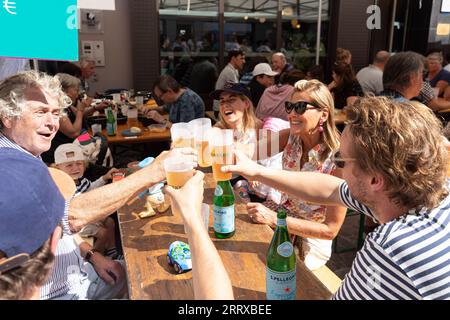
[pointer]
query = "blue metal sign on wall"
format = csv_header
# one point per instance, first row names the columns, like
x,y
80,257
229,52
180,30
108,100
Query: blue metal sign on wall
x,y
39,29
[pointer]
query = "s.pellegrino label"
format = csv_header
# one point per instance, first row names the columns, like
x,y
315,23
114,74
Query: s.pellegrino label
x,y
281,263
223,210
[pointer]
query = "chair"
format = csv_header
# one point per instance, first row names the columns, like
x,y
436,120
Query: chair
x,y
360,241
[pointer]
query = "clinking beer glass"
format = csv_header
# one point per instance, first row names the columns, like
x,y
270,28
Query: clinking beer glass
x,y
178,171
182,136
221,144
201,128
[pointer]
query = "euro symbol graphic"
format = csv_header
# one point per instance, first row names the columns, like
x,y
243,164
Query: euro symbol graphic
x,y
9,6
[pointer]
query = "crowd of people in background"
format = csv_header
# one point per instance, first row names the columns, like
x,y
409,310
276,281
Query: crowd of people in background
x,y
389,163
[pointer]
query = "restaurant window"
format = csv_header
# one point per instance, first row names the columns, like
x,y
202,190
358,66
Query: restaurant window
x,y
251,26
299,35
189,32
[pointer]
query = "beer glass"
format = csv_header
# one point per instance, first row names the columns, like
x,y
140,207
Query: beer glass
x,y
182,136
221,144
139,101
201,128
178,170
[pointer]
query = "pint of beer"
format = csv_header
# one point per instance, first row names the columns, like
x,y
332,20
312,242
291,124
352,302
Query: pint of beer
x,y
178,171
201,128
221,144
182,135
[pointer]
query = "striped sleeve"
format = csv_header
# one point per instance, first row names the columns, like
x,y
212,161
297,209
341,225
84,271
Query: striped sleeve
x,y
65,219
84,185
352,203
422,250
374,276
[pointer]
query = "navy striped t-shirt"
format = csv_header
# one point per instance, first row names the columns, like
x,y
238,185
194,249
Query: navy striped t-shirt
x,y
406,258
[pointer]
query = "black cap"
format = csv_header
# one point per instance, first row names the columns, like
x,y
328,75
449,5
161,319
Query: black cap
x,y
231,87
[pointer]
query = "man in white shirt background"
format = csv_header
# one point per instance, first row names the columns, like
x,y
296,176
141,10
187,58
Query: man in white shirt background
x,y
236,61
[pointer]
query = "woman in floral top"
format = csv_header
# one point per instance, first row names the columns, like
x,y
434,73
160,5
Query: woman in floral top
x,y
313,138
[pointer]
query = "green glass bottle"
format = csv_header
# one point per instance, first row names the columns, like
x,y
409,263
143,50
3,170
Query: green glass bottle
x,y
110,122
281,264
223,210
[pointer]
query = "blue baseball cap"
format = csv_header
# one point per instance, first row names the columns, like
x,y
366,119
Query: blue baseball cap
x,y
31,205
231,87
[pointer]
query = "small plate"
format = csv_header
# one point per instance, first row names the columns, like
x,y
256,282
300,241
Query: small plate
x,y
128,133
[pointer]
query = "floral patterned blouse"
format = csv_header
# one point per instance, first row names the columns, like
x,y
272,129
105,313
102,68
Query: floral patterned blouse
x,y
292,156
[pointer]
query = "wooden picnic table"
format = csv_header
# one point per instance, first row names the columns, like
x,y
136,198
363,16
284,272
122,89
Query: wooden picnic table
x,y
339,118
146,242
146,135
444,111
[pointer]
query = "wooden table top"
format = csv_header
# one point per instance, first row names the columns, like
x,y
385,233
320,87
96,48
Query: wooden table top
x,y
444,111
146,242
339,118
146,135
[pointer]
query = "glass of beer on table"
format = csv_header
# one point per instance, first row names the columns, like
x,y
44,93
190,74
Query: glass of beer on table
x,y
182,136
178,170
201,128
221,144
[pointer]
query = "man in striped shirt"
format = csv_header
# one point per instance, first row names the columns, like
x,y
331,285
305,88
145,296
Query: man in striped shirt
x,y
394,166
30,107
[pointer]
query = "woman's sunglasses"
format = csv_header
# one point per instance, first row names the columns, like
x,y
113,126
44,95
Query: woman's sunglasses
x,y
299,106
338,161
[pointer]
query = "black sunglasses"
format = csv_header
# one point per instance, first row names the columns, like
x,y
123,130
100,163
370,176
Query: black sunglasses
x,y
338,161
299,106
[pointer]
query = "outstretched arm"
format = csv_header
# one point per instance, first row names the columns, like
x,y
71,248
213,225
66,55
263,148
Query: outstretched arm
x,y
101,202
309,186
206,262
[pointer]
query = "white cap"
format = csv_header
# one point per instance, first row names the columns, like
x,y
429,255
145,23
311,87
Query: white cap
x,y
67,153
264,68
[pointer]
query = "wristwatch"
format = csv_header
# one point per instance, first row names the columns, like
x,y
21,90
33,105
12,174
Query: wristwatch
x,y
89,254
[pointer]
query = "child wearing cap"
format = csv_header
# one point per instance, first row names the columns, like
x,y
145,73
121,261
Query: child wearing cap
x,y
70,159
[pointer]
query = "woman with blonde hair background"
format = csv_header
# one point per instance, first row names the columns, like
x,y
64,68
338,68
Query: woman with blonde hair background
x,y
312,141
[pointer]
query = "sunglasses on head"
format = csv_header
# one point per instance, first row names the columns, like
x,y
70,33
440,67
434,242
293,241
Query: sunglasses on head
x,y
338,161
299,106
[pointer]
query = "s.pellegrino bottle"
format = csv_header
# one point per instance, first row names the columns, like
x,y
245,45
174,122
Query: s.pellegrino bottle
x,y
223,210
110,122
281,264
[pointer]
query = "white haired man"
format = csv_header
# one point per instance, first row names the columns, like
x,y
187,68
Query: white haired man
x,y
31,104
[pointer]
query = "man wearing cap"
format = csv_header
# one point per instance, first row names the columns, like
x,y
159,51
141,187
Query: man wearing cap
x,y
30,107
263,77
31,209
